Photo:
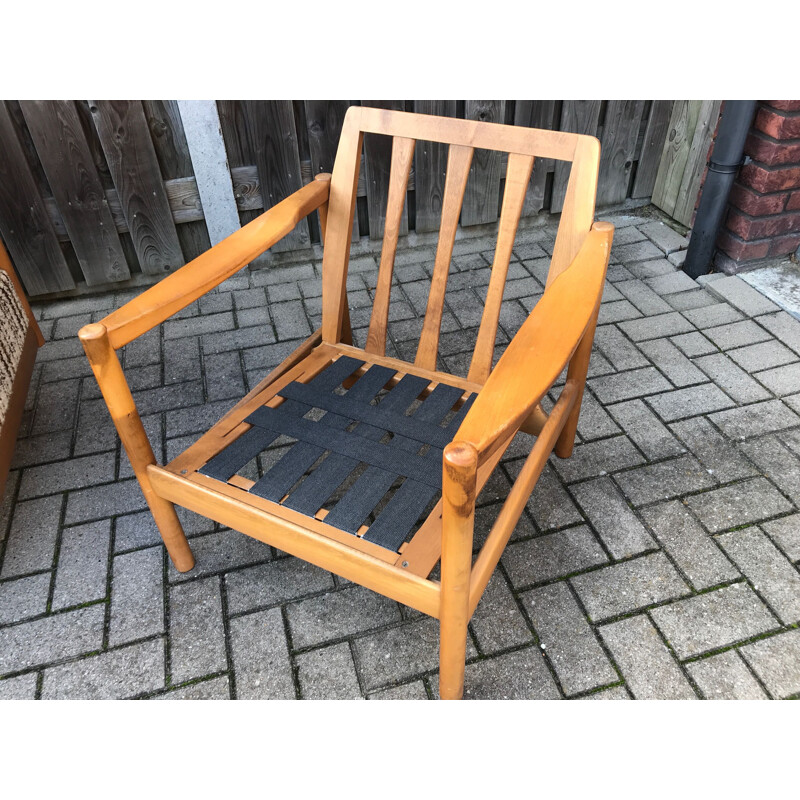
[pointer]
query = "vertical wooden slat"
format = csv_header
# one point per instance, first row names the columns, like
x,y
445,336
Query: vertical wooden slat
x,y
577,116
24,221
377,166
482,197
430,163
324,119
56,131
458,163
618,146
654,137
125,137
537,114
402,152
172,151
273,135
518,175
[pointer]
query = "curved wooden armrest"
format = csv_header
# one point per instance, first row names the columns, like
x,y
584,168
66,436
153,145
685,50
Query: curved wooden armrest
x,y
208,270
541,348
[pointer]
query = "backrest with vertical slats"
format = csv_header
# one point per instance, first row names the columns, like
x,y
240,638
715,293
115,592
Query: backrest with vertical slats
x,y
523,145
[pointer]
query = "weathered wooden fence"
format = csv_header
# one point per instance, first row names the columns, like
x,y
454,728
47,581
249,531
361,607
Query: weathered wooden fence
x,y
93,191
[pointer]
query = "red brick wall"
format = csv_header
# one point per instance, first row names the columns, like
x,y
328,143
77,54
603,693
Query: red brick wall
x,y
764,206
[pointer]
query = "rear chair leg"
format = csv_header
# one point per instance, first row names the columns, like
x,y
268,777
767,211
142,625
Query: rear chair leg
x,y
458,516
117,394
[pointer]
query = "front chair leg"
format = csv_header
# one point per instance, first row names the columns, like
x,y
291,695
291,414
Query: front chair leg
x,y
460,466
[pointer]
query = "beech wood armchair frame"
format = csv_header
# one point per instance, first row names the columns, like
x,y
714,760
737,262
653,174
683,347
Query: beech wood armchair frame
x,y
427,459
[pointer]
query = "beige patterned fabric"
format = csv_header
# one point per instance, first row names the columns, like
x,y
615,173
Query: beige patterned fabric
x,y
13,327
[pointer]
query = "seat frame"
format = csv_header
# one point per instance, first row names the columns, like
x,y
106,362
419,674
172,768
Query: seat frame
x,y
557,334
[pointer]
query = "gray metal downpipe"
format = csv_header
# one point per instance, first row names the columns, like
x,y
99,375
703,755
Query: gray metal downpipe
x,y
726,158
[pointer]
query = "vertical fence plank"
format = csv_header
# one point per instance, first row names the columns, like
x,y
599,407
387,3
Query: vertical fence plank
x,y
56,131
430,166
577,116
125,137
653,145
675,154
618,147
24,221
377,164
324,120
482,198
537,114
273,137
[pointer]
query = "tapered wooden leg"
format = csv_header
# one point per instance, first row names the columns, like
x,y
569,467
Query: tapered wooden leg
x,y
460,466
117,394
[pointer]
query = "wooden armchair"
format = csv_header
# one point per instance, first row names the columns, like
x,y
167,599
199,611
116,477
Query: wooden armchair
x,y
381,486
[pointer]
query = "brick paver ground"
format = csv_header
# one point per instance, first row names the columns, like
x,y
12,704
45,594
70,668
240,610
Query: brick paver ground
x,y
661,561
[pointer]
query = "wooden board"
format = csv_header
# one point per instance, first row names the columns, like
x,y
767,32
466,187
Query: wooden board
x,y
324,123
56,131
24,222
482,196
430,162
377,164
577,116
649,159
273,138
618,149
125,137
537,114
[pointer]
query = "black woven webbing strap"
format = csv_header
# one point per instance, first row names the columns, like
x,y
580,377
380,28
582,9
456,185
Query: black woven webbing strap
x,y
352,432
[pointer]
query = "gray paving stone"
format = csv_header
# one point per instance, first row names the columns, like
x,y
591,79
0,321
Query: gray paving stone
x,y
716,453
220,552
195,326
664,480
764,355
628,235
615,693
23,687
598,458
339,614
137,596
669,324
781,381
639,251
725,677
616,273
777,662
213,689
594,422
737,334
785,532
409,691
52,638
755,419
552,556
617,312
749,501
56,404
693,344
225,341
717,619
664,237
778,463
691,300
646,664
82,571
116,674
569,641
196,630
793,401
672,362
498,622
646,580
719,317
671,283
24,597
735,381
627,385
619,528
784,327
645,429
394,655
776,580
104,501
690,547
643,297
33,450
736,292
549,505
134,531
485,517
290,320
689,402
328,674
260,657
651,269
32,539
275,582
223,377
618,349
